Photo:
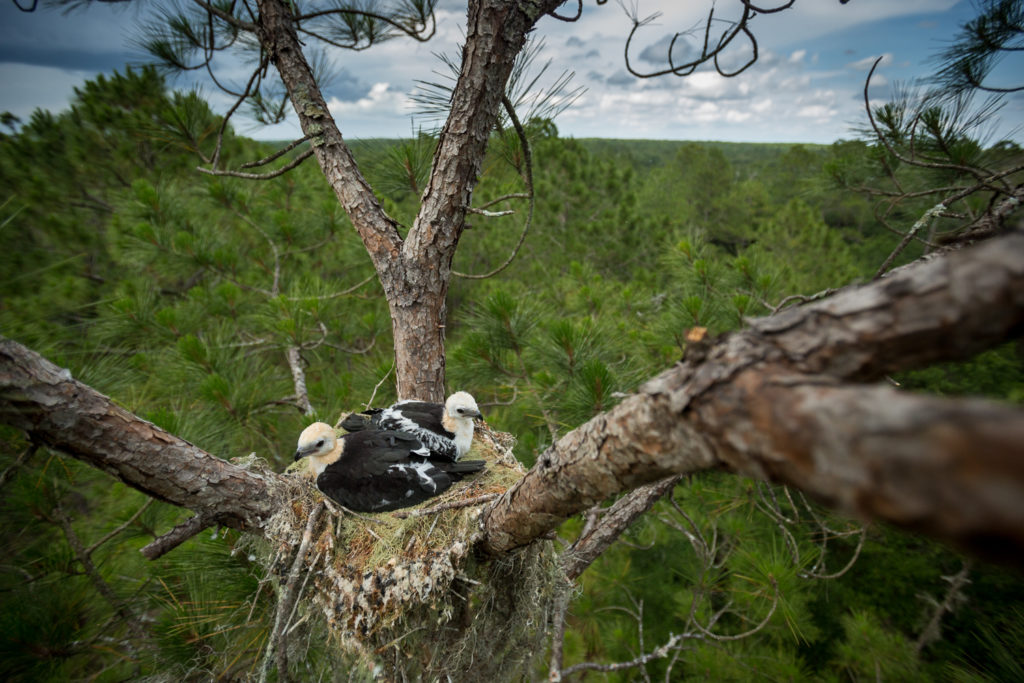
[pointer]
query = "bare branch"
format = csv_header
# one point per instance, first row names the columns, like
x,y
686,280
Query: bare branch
x,y
114,532
294,163
921,223
176,536
84,558
746,634
659,652
299,379
19,463
277,644
933,630
613,523
66,415
276,155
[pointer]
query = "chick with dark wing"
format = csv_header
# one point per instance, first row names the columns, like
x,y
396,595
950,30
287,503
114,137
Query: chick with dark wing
x,y
445,428
376,470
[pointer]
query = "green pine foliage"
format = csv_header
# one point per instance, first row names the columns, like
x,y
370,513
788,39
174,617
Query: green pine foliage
x,y
179,295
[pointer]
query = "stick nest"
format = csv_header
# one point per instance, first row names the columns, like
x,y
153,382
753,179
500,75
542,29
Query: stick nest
x,y
404,588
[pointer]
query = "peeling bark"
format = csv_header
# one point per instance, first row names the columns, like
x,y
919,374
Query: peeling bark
x,y
60,412
769,402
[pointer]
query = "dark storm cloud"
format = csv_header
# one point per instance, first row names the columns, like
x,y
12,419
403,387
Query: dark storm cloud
x,y
83,41
41,55
345,86
657,53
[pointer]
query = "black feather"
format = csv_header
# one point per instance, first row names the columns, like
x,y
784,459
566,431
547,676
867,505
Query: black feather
x,y
380,470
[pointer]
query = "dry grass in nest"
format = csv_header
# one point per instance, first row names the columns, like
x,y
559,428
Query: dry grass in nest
x,y
369,569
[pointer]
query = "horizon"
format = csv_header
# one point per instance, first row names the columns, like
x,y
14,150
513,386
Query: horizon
x,y
806,87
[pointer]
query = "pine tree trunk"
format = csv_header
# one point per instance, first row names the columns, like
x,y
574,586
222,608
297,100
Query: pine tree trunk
x,y
414,272
419,347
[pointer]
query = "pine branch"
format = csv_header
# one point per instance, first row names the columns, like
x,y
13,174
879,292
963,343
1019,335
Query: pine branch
x,y
277,644
84,558
176,536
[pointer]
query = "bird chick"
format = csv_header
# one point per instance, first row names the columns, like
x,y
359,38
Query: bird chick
x,y
446,429
376,470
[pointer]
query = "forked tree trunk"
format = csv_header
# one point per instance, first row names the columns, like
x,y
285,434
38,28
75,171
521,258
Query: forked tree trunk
x,y
414,272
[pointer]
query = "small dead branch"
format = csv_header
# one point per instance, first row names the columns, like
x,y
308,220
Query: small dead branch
x,y
20,462
954,596
176,536
277,646
454,505
294,163
84,557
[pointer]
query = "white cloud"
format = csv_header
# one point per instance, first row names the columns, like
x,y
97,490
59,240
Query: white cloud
x,y
381,100
865,64
816,111
798,56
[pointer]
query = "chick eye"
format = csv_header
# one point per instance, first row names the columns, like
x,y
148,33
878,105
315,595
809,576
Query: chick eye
x,y
319,443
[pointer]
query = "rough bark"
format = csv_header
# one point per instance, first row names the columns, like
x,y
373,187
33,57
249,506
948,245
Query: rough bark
x,y
768,402
59,412
415,273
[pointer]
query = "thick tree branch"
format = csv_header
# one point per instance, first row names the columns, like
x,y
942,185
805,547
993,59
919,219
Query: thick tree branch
x,y
59,412
278,36
766,402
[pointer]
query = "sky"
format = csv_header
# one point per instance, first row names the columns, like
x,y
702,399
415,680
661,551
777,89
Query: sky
x,y
807,85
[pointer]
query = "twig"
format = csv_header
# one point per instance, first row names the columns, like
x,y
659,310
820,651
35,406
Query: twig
x,y
299,379
91,549
279,153
612,524
20,462
276,645
334,295
933,631
528,179
560,608
377,386
657,653
260,176
84,558
921,223
176,536
853,560
746,634
455,504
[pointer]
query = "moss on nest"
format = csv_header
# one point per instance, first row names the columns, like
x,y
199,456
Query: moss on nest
x,y
405,588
